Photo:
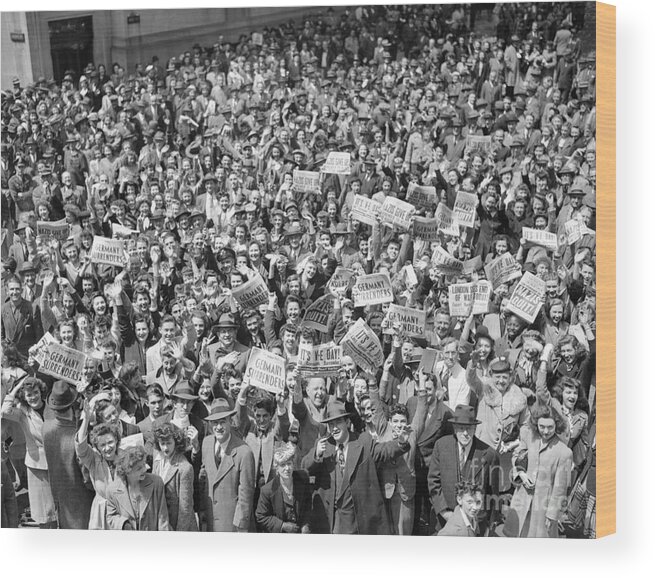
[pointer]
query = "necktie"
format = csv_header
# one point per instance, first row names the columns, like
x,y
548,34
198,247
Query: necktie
x,y
217,456
462,459
341,458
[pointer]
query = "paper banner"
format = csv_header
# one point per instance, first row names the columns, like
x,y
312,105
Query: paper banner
x,y
541,238
108,251
59,230
318,313
319,360
306,181
421,196
503,269
64,363
340,280
372,290
252,293
337,164
365,210
446,220
444,261
527,297
478,143
397,212
363,346
266,370
426,229
412,321
464,211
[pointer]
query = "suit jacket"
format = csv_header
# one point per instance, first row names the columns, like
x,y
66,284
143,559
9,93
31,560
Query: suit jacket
x,y
19,326
178,489
457,527
362,457
152,514
228,491
481,467
271,511
279,430
436,426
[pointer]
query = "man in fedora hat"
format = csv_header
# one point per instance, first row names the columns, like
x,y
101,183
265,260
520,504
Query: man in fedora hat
x,y
344,463
462,457
227,476
72,497
228,349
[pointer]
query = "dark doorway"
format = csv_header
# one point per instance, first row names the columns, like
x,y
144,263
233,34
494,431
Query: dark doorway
x,y
71,45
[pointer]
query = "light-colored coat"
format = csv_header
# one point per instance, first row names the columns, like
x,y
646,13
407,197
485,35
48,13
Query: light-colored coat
x,y
152,513
456,526
229,490
101,476
550,468
31,423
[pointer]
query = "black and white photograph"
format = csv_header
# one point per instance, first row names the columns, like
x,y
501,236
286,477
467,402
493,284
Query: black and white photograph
x,y
300,270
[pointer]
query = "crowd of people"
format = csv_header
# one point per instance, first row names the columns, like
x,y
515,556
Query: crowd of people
x,y
482,424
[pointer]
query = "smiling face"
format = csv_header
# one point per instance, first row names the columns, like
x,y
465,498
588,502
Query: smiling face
x,y
32,396
317,391
546,427
107,446
470,504
222,429
339,429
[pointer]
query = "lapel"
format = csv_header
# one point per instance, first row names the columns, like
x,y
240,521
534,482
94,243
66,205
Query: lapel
x,y
352,458
227,463
147,487
123,499
278,496
172,471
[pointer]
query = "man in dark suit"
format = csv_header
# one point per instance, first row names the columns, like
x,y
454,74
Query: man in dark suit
x,y
436,426
349,499
462,457
18,324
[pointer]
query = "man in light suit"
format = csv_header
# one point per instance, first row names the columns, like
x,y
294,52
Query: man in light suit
x,y
464,521
462,457
228,475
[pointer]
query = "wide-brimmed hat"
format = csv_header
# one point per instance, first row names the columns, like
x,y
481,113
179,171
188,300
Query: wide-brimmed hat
x,y
183,390
61,397
221,410
335,410
464,415
226,320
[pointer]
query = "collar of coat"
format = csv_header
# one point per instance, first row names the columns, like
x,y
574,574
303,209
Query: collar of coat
x,y
513,400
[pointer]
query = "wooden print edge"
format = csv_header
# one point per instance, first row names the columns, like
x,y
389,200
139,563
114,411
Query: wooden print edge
x,y
606,269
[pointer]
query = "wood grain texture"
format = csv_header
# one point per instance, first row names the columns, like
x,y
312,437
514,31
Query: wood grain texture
x,y
606,269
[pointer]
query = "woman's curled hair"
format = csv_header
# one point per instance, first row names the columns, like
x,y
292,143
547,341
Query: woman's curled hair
x,y
128,458
169,430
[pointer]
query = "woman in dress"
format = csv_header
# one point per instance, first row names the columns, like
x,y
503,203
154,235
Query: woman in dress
x,y
170,464
99,458
24,405
136,500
